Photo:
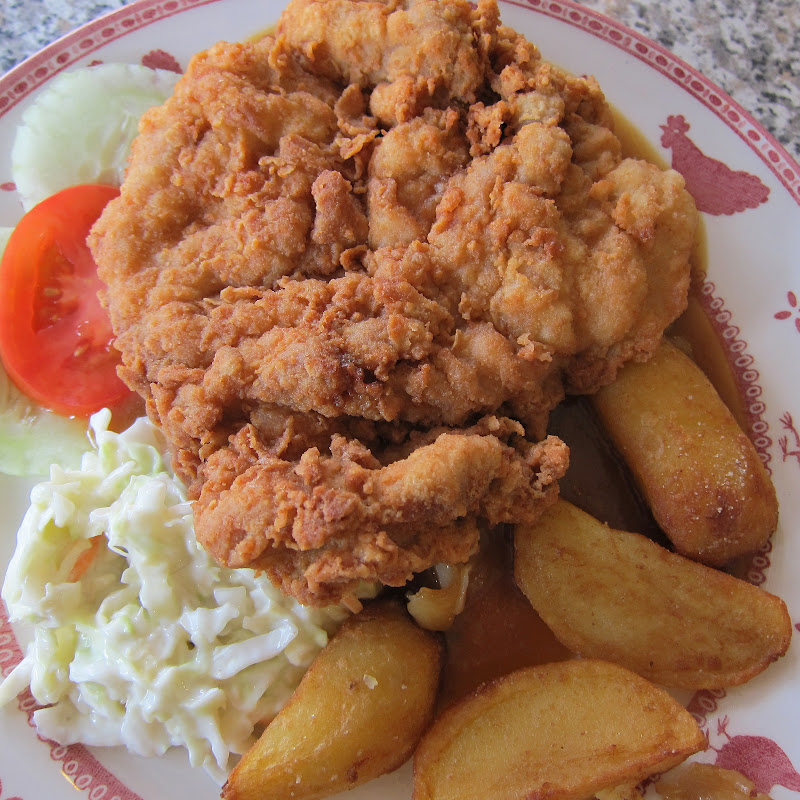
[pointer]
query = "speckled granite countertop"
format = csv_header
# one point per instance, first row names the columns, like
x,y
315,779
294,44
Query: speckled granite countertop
x,y
750,48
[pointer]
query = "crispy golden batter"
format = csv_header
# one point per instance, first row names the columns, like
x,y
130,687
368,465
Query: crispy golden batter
x,y
352,268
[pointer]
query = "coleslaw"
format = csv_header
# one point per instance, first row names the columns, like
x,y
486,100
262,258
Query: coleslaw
x,y
139,638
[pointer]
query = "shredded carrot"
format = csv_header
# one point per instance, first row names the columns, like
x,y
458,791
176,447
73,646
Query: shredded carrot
x,y
85,559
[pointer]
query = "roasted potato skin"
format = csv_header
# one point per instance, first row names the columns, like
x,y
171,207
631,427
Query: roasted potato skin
x,y
358,712
560,731
621,597
699,472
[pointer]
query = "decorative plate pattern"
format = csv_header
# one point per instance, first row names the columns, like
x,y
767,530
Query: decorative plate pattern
x,y
749,190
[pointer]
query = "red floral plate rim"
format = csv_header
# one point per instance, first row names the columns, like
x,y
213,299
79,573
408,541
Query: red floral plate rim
x,y
26,77
77,763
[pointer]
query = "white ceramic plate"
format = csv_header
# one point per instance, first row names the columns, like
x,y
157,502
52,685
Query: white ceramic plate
x,y
749,190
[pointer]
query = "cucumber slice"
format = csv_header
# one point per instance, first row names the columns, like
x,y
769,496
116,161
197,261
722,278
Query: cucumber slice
x,y
31,438
80,127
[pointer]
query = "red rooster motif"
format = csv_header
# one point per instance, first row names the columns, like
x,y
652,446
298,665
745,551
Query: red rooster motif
x,y
160,59
10,798
757,758
716,188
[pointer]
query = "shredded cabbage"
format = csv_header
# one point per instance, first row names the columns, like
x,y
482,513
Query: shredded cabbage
x,y
143,641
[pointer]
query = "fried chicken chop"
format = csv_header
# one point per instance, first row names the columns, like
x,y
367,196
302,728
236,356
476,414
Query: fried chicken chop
x,y
354,265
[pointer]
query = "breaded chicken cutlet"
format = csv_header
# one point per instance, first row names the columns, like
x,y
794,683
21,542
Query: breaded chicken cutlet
x,y
355,264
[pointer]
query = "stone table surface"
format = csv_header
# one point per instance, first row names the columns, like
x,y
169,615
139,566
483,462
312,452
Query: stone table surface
x,y
749,48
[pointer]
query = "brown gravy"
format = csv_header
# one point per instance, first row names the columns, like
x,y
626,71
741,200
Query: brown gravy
x,y
498,631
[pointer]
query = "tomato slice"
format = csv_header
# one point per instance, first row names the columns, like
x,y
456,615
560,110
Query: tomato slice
x,y
55,337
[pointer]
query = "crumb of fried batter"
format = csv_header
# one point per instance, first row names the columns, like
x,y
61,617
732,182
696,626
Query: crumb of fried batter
x,y
353,267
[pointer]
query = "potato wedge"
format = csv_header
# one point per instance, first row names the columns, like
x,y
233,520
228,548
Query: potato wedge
x,y
562,731
700,474
358,712
621,597
699,781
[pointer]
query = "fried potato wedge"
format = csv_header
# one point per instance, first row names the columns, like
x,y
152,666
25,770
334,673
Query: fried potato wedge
x,y
563,731
618,596
695,781
698,471
358,712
